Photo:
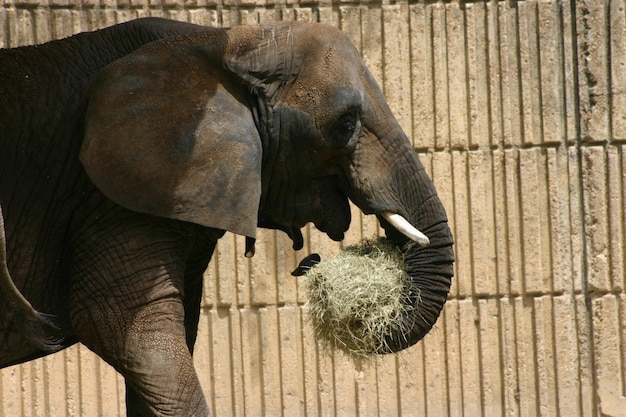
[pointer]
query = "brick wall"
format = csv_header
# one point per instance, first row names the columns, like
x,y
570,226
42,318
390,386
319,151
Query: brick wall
x,y
519,112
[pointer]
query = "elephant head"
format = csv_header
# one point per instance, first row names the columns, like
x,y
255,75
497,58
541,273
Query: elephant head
x,y
266,126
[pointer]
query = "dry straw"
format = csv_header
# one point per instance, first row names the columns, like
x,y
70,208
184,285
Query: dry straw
x,y
357,299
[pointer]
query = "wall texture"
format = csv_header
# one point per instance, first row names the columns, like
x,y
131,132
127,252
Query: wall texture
x,y
519,111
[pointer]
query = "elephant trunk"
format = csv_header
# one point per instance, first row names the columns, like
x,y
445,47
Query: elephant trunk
x,y
404,188
429,269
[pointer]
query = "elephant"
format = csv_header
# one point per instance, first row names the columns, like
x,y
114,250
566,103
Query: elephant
x,y
127,152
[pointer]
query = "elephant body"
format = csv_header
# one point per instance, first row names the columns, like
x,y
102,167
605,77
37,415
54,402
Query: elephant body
x,y
126,153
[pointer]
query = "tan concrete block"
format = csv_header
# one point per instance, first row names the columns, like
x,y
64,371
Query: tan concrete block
x,y
501,240
596,218
29,3
616,186
481,219
62,24
21,30
490,357
309,364
174,13
41,25
511,81
463,237
567,360
4,34
514,229
585,357
459,77
609,336
536,243
469,321
229,280
422,76
328,15
617,47
97,18
10,394
89,383
494,68
325,386
248,17
530,69
435,378
527,395
371,46
113,390
55,385
454,346
122,16
72,370
411,381
221,368
241,271
559,187
350,24
545,360
440,70
236,355
551,73
592,30
252,383
478,128
203,16
81,20
396,63
346,400
576,235
387,382
365,377
263,283
570,68
270,361
291,367
510,375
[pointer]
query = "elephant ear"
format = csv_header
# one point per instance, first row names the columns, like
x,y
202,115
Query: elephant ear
x,y
168,131
266,58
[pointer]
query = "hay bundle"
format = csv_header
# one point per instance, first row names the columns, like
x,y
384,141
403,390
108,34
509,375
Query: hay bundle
x,y
358,298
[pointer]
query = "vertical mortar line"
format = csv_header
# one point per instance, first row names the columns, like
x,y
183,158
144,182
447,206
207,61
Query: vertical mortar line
x,y
499,147
242,358
486,15
516,179
99,400
211,364
563,144
260,351
540,122
231,344
279,343
467,189
578,62
300,324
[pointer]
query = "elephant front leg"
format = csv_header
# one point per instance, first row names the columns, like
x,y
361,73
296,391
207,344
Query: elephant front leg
x,y
127,306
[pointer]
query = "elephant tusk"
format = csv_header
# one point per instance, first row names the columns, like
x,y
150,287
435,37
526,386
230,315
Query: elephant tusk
x,y
403,226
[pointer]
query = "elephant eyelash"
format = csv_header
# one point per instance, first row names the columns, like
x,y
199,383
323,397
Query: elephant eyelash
x,y
344,129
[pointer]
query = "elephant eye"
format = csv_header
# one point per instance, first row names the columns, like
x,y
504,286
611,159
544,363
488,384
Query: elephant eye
x,y
344,129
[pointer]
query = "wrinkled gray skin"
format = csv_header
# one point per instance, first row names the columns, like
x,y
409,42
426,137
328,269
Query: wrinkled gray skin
x,y
125,154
